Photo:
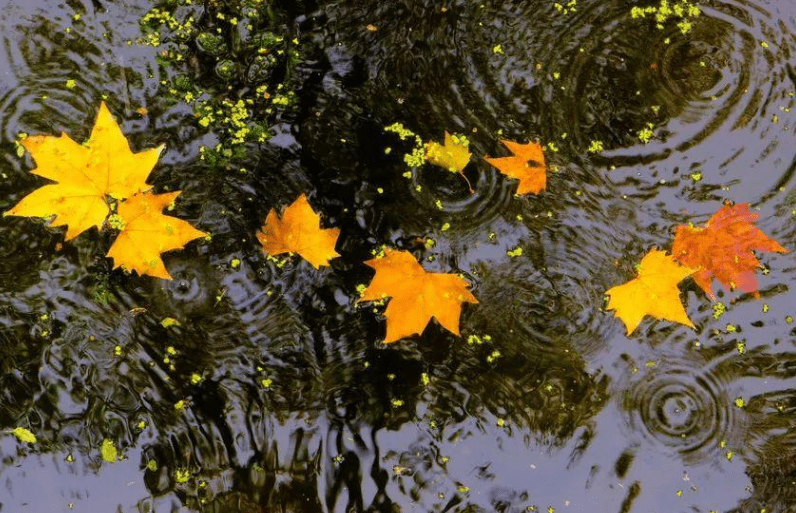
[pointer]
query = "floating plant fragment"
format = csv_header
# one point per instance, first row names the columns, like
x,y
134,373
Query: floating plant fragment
x,y
24,435
108,451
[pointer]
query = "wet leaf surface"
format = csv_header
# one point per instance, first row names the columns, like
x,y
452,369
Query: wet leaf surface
x,y
298,230
526,164
652,292
103,183
415,295
724,249
146,233
86,176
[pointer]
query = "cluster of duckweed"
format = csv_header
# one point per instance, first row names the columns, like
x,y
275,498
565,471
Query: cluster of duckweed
x,y
567,7
416,156
596,146
486,340
646,133
682,10
244,64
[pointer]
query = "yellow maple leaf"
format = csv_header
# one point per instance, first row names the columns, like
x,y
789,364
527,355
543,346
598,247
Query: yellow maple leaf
x,y
653,292
527,164
299,231
453,155
94,178
86,176
146,233
416,295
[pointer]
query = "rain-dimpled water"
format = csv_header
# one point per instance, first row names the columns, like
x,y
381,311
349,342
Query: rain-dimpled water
x,y
271,389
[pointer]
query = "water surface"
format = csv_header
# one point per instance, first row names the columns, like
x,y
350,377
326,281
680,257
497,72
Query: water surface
x,y
299,407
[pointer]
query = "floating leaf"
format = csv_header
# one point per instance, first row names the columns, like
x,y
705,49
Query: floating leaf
x,y
24,435
299,231
723,249
453,155
653,292
146,233
94,178
527,164
416,295
168,322
86,176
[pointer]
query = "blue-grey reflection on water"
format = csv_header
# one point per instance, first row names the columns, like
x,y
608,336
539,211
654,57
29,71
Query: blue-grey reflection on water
x,y
274,393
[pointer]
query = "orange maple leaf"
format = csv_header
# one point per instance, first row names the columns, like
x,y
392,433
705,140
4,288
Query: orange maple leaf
x,y
527,164
723,248
653,292
416,295
299,231
87,176
146,233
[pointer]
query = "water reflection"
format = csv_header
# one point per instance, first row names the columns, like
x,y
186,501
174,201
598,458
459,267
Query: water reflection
x,y
274,393
682,406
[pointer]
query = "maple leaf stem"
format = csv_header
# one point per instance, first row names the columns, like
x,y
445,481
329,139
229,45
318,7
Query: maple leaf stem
x,y
469,185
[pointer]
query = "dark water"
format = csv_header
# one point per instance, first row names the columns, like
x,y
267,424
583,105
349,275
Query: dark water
x,y
558,410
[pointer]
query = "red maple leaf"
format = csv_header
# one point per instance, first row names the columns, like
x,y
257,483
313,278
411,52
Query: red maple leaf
x,y
723,249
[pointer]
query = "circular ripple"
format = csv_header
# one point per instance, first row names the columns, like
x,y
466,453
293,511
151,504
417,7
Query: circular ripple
x,y
58,69
594,97
683,408
706,80
597,74
718,99
610,87
19,247
722,87
37,104
433,187
192,291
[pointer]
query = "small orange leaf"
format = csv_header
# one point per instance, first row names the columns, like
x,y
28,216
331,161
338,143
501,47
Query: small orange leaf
x,y
299,231
527,164
146,233
723,248
453,155
653,292
85,175
416,295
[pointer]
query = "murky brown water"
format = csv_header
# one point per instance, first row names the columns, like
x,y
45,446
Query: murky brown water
x,y
558,410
